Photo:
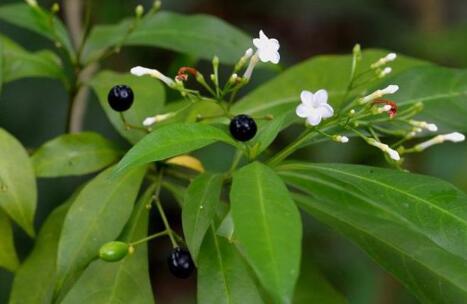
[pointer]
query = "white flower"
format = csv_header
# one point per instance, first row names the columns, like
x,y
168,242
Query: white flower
x,y
452,137
268,49
393,154
382,61
141,71
314,107
390,89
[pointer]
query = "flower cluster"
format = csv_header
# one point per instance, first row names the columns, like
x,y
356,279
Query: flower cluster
x,y
364,115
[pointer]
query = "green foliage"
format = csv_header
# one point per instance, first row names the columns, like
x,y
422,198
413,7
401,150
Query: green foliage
x,y
172,140
8,257
97,216
126,281
200,36
35,279
312,287
19,63
18,194
39,21
74,154
268,228
149,100
412,225
223,276
201,200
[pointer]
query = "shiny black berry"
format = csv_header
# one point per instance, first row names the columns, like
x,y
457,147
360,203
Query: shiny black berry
x,y
180,263
120,98
243,127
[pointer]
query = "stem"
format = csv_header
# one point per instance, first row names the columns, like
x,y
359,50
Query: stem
x,y
166,223
148,238
129,126
291,148
161,210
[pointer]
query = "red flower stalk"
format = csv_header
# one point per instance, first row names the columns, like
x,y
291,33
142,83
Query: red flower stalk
x,y
393,111
184,71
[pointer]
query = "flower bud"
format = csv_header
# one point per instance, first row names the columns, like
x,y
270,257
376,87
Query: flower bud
x,y
113,251
139,11
55,8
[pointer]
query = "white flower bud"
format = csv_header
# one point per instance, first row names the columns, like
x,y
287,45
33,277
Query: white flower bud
x,y
423,124
341,139
141,71
390,89
452,137
382,61
248,53
149,121
385,72
393,154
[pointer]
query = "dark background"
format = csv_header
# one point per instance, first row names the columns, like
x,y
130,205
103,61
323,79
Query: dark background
x,y
34,110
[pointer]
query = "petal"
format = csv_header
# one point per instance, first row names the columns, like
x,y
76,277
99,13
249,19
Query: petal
x,y
314,118
264,55
303,111
306,97
274,43
321,97
262,36
325,110
275,57
257,42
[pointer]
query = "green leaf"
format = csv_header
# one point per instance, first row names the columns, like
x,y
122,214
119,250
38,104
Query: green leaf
x,y
8,258
324,72
199,208
19,63
97,216
2,64
39,21
414,226
172,140
199,35
312,287
126,281
223,276
149,100
18,193
268,228
35,279
269,131
74,154
442,91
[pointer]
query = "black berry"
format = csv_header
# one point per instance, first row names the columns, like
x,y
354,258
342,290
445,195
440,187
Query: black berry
x,y
180,263
243,127
120,98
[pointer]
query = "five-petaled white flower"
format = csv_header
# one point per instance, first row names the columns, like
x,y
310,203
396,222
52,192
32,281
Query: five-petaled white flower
x,y
268,48
314,107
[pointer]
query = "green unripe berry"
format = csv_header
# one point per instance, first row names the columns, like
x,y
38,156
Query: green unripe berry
x,y
113,251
